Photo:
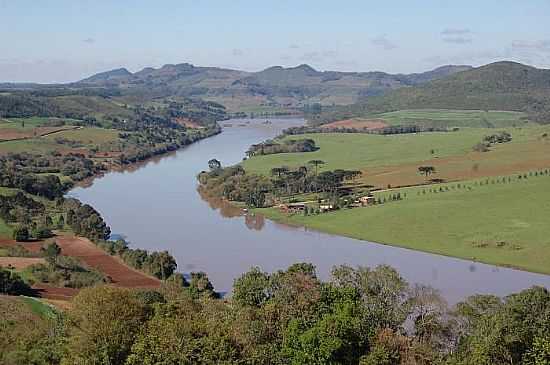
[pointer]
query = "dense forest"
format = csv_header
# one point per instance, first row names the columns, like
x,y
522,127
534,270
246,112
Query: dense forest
x,y
360,316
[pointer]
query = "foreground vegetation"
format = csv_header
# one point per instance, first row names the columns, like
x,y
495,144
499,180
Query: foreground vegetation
x,y
361,316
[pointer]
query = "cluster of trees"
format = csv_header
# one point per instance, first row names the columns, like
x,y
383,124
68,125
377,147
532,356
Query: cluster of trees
x,y
483,146
63,271
85,221
502,137
233,183
286,146
35,173
29,214
360,316
159,264
12,284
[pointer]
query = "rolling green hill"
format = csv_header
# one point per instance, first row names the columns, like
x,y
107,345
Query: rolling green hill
x,y
498,86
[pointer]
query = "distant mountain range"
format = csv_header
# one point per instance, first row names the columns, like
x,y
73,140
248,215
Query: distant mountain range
x,y
275,86
324,95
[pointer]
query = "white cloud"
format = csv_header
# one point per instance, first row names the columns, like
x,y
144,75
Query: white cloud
x,y
383,42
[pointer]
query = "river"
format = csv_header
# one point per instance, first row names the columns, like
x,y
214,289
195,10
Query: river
x,y
156,206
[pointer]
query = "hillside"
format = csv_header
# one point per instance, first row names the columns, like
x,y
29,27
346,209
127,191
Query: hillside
x,y
497,86
105,107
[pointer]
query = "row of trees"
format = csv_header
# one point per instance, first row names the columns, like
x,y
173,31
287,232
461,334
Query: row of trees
x,y
360,316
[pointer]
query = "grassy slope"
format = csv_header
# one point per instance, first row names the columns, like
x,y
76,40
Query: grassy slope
x,y
363,151
455,118
461,223
87,136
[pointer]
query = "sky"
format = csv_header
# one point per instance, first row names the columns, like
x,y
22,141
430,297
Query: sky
x,y
66,40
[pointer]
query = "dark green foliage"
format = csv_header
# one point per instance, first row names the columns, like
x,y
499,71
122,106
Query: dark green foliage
x,y
287,146
86,221
12,284
64,271
21,234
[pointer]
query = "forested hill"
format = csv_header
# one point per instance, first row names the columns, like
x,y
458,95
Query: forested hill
x,y
497,86
105,106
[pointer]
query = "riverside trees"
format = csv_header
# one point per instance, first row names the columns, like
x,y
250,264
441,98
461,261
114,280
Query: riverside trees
x,y
235,184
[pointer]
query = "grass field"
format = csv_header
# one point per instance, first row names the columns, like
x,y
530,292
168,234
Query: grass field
x,y
455,118
29,123
40,308
394,159
40,145
502,223
87,135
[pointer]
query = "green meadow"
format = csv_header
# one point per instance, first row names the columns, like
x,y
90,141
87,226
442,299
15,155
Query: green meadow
x,y
497,223
362,151
455,118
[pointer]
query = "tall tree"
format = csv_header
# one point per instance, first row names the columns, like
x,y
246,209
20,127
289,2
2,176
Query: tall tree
x,y
316,163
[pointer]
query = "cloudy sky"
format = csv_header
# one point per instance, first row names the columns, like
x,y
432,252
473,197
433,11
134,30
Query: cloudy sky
x,y
66,40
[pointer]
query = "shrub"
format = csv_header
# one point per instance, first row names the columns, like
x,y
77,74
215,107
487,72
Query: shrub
x,y
21,234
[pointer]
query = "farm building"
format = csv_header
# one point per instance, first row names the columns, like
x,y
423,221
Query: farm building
x,y
367,200
292,207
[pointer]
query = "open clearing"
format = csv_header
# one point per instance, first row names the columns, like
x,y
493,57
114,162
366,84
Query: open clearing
x,y
502,223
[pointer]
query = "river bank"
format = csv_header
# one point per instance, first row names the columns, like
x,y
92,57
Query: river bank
x,y
209,236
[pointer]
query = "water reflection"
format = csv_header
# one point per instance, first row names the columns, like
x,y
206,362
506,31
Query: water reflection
x,y
226,209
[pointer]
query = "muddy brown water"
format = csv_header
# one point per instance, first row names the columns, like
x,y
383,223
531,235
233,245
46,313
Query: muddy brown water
x,y
156,206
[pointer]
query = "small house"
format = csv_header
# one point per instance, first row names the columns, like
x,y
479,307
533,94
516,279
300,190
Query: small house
x,y
292,207
326,207
367,200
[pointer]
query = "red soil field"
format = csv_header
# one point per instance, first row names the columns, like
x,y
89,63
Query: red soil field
x,y
369,124
94,257
20,263
187,123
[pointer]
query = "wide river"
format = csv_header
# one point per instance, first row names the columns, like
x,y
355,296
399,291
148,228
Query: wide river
x,y
156,206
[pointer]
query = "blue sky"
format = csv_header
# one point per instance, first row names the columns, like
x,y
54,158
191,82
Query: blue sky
x,y
65,40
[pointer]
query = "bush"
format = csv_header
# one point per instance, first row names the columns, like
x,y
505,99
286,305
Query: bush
x,y
12,284
41,233
21,234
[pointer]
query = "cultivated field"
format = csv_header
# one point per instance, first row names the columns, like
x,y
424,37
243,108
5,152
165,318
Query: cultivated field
x,y
94,257
503,223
